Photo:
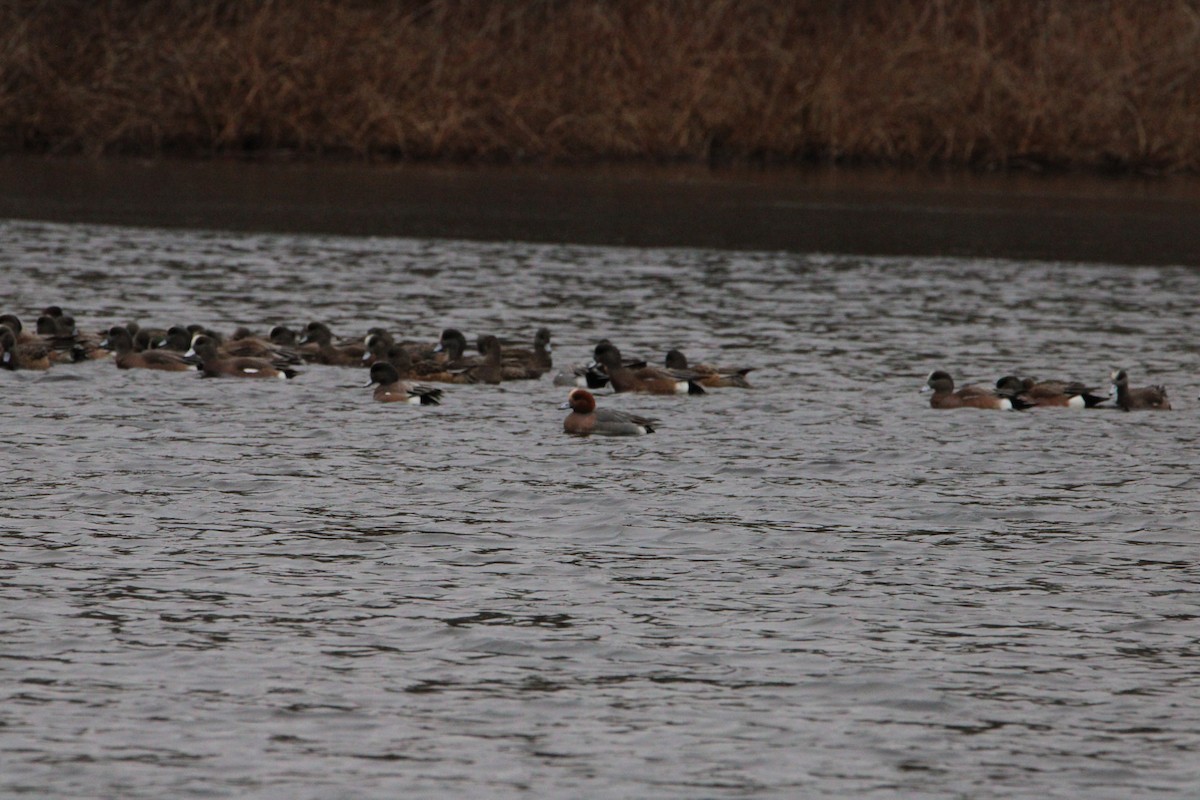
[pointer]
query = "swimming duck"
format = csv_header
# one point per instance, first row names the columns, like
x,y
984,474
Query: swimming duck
x,y
389,388
646,379
971,396
586,419
120,342
214,365
1063,394
708,375
1146,398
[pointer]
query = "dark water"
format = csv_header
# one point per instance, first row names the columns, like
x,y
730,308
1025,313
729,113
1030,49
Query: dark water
x,y
819,588
1013,216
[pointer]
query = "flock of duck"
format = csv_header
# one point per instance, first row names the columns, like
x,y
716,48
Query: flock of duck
x,y
1015,393
400,371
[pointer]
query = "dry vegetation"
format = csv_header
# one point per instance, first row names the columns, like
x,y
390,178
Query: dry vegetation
x,y
980,83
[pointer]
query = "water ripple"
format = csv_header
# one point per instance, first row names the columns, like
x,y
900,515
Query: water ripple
x,y
816,588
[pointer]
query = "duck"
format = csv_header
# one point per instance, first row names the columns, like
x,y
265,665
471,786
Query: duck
x,y
389,388
534,362
379,343
647,379
59,330
489,370
585,419
283,335
120,342
708,375
970,396
317,346
13,323
62,349
1146,398
196,329
399,357
243,343
177,338
377,346
519,364
214,365
30,354
54,312
152,338
451,349
591,375
1054,393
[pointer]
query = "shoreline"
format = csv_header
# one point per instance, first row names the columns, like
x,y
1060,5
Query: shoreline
x,y
835,210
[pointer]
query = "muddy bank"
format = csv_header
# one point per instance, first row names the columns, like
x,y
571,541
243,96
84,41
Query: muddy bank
x,y
838,211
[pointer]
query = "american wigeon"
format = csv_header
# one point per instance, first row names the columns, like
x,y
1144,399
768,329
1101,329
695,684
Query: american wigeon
x,y
592,375
30,342
244,344
489,370
380,332
535,362
396,355
48,327
377,347
54,312
152,338
84,344
178,338
317,346
708,375
646,379
81,344
283,335
29,354
971,396
1061,394
214,365
195,329
409,369
586,419
389,388
451,350
22,336
63,349
519,364
1146,398
125,357
146,338
375,344
379,342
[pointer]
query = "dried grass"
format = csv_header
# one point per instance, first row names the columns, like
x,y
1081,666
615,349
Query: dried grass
x,y
977,83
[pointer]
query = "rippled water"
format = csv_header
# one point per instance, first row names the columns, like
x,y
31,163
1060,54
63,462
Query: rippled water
x,y
816,588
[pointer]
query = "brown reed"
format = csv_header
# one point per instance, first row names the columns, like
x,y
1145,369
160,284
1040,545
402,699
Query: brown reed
x,y
988,84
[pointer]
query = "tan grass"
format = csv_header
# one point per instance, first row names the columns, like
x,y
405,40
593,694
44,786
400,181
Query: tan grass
x,y
975,83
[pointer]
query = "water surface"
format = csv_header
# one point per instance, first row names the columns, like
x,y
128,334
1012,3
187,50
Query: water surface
x,y
1127,220
817,588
